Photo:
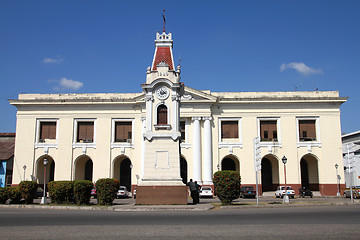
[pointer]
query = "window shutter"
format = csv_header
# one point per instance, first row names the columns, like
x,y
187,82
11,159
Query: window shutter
x,y
162,115
85,131
48,130
182,130
123,131
307,131
229,129
269,127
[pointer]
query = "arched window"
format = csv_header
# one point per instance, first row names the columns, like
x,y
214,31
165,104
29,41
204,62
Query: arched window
x,y
162,115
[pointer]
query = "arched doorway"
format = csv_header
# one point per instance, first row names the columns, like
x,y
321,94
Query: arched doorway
x,y
50,169
183,170
84,168
88,170
309,172
230,163
123,171
269,173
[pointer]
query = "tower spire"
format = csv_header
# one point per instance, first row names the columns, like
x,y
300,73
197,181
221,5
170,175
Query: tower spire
x,y
164,20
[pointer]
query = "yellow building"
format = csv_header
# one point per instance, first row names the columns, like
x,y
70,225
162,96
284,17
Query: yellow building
x,y
169,133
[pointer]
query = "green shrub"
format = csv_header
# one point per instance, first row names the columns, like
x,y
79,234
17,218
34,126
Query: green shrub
x,y
106,189
28,190
15,194
82,191
227,186
4,194
61,191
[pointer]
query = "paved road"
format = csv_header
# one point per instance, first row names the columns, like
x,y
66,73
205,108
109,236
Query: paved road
x,y
325,222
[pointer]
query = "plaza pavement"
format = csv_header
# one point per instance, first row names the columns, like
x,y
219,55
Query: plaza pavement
x,y
129,204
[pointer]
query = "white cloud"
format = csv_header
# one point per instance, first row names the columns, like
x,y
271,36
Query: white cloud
x,y
300,67
65,83
58,59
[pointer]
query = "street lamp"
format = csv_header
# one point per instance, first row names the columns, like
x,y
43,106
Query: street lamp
x,y
286,197
24,167
43,199
337,181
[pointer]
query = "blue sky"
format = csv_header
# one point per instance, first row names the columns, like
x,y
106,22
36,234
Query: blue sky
x,y
106,46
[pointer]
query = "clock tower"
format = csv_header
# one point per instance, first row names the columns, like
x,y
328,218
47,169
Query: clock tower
x,y
160,181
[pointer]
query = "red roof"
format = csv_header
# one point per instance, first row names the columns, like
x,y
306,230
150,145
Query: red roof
x,y
6,149
7,134
163,54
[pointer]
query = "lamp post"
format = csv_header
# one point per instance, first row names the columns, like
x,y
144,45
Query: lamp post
x,y
337,181
131,167
286,197
24,167
43,199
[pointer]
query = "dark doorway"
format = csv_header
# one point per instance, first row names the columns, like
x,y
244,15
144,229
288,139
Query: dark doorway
x,y
266,175
304,173
183,170
88,170
52,171
228,164
125,174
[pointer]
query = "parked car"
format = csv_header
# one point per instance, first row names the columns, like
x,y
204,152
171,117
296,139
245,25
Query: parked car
x,y
356,192
93,193
122,192
206,192
247,191
280,192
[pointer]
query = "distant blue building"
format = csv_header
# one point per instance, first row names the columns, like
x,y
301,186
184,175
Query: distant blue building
x,y
7,143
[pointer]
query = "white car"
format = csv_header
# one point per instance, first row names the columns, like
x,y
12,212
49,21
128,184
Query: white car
x,y
280,192
122,192
206,192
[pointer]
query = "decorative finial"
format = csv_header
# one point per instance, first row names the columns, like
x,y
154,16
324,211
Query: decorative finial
x,y
164,20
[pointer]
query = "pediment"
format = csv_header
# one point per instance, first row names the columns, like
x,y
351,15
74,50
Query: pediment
x,y
194,95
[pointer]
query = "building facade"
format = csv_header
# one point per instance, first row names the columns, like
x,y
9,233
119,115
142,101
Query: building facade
x,y
7,144
92,136
351,155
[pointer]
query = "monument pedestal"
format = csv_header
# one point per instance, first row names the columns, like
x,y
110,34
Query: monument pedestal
x,y
162,195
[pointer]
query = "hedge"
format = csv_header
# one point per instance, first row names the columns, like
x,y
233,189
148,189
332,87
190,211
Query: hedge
x,y
61,191
4,194
82,191
28,190
14,195
106,190
227,186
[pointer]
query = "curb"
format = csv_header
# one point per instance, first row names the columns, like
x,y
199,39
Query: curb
x,y
158,208
281,205
55,207
124,208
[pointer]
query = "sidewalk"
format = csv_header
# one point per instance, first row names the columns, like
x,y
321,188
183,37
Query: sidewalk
x,y
128,205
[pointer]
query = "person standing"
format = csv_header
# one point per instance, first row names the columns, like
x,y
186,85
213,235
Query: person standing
x,y
193,190
198,187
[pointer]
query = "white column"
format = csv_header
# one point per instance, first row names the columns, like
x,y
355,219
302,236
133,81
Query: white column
x,y
196,150
175,112
143,131
207,162
149,110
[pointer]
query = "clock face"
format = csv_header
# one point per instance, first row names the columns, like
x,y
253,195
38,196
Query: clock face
x,y
162,93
